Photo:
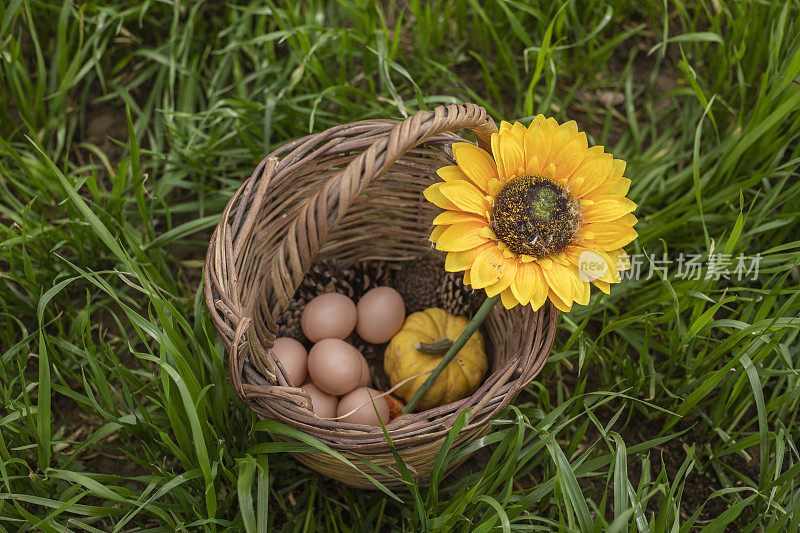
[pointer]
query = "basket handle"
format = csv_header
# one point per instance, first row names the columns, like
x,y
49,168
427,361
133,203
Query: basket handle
x,y
309,230
407,134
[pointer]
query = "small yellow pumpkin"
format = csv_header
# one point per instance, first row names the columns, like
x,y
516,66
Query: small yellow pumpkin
x,y
460,378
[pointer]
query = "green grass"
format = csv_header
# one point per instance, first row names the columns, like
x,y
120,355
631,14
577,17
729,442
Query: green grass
x,y
126,126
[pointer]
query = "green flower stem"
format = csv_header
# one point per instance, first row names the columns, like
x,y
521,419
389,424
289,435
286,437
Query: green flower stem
x,y
459,343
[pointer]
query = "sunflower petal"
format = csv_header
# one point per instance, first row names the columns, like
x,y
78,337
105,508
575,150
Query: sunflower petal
x,y
458,261
528,276
607,208
558,278
513,156
539,294
522,284
607,235
466,197
532,166
618,168
495,186
582,291
518,130
434,195
495,288
476,164
560,305
538,121
548,171
487,232
595,152
487,268
590,175
621,261
437,232
501,171
621,187
451,173
460,237
561,135
452,217
545,263
621,258
509,150
618,186
571,156
537,145
507,274
508,299
602,285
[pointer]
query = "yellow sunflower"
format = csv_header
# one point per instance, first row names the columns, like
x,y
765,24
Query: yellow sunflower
x,y
543,218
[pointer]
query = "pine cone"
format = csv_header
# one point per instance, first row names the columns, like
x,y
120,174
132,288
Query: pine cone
x,y
425,284
419,283
368,275
289,320
455,298
327,276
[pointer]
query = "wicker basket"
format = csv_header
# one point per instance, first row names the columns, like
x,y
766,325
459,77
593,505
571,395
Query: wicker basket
x,y
352,193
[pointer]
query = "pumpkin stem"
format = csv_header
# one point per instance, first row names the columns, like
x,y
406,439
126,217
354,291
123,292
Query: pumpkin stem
x,y
434,348
462,339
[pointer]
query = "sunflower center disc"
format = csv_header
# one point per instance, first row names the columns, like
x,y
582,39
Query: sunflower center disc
x,y
534,216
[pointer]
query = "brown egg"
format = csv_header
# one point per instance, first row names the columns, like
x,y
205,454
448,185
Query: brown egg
x,y
381,313
323,404
359,399
293,357
366,378
328,316
334,366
